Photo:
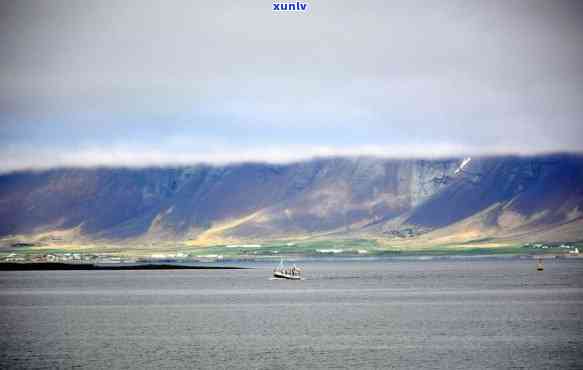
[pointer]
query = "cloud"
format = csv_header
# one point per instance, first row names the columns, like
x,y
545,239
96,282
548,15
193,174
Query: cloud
x,y
141,83
138,157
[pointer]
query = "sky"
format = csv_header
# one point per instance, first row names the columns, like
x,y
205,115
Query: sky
x,y
151,83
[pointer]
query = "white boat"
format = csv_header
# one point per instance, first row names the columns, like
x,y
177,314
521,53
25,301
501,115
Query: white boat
x,y
283,272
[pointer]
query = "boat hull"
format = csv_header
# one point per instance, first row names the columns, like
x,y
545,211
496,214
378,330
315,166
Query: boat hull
x,y
281,275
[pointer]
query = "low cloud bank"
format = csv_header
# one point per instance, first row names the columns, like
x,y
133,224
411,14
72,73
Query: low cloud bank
x,y
137,158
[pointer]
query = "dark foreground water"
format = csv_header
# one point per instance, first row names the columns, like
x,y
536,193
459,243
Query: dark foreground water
x,y
376,314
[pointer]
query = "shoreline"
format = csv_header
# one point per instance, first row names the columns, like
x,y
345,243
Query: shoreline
x,y
235,264
52,266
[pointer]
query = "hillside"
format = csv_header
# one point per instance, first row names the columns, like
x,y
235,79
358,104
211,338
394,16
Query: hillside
x,y
406,201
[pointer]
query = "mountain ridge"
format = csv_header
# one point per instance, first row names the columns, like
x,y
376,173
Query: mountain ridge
x,y
393,200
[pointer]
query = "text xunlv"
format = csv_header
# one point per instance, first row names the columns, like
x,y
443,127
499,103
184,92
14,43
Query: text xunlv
x,y
294,7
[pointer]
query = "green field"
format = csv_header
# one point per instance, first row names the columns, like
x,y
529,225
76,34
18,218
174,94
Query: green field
x,y
361,247
320,248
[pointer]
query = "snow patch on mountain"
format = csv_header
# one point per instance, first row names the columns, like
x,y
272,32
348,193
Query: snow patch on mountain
x,y
463,164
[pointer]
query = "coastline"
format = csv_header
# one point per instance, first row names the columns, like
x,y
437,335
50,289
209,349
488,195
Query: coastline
x,y
242,264
51,266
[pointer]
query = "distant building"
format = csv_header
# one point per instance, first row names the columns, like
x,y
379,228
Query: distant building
x,y
13,257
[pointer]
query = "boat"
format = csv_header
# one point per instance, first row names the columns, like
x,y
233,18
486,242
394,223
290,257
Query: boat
x,y
290,273
539,265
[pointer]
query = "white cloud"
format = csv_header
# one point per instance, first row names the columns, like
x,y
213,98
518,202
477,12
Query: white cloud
x,y
143,157
148,83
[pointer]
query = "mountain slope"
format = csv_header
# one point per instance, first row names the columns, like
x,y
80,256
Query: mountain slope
x,y
405,200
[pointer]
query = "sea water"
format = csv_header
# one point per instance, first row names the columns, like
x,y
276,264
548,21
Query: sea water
x,y
495,313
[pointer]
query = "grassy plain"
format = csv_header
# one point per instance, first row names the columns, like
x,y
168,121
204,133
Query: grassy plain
x,y
274,249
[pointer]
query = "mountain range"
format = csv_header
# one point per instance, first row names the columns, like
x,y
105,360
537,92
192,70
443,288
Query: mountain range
x,y
496,199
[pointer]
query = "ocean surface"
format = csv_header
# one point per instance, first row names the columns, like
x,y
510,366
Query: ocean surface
x,y
491,313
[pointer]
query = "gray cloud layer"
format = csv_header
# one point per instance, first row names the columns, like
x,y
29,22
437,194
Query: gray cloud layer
x,y
138,83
